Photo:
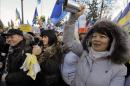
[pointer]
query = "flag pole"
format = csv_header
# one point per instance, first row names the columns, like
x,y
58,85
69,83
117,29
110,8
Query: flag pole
x,y
22,12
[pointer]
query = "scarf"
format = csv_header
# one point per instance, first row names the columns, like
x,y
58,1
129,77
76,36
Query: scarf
x,y
31,66
95,54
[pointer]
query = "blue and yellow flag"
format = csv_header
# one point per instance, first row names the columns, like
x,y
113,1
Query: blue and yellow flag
x,y
35,16
17,15
124,18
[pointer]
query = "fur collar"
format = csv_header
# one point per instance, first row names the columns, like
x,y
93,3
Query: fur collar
x,y
48,52
119,51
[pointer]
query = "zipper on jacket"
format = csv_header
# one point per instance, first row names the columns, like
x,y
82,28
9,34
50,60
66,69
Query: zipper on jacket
x,y
91,67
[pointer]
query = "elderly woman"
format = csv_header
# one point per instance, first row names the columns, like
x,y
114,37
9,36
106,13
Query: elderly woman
x,y
105,49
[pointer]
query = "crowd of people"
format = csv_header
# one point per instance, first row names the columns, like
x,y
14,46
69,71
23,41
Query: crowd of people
x,y
100,58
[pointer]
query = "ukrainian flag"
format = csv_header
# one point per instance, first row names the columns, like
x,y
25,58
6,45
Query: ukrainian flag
x,y
124,19
17,15
35,17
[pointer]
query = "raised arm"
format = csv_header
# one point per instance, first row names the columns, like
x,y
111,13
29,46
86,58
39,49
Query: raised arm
x,y
68,34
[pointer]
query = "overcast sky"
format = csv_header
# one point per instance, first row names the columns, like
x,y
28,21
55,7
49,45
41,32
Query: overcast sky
x,y
8,7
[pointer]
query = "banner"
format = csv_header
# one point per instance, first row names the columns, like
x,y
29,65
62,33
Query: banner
x,y
25,27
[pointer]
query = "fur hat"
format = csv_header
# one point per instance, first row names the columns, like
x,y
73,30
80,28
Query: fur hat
x,y
119,51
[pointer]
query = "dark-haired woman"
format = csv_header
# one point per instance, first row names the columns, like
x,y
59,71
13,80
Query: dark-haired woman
x,y
105,50
50,60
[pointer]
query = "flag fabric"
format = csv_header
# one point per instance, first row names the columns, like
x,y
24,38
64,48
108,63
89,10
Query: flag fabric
x,y
116,19
57,20
58,8
125,16
58,13
17,15
35,16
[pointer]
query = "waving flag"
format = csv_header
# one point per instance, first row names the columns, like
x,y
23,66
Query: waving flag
x,y
35,16
17,15
56,20
57,9
125,16
116,19
58,13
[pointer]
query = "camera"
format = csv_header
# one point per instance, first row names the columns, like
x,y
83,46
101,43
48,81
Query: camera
x,y
71,6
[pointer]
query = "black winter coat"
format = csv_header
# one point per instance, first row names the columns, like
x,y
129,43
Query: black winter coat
x,y
50,67
3,53
16,57
128,68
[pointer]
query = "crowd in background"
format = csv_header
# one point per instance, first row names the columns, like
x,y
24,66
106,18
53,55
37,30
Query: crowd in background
x,y
99,58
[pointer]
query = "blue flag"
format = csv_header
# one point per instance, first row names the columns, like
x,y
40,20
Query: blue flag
x,y
35,16
57,13
57,10
56,20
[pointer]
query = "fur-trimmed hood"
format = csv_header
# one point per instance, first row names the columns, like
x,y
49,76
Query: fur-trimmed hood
x,y
119,51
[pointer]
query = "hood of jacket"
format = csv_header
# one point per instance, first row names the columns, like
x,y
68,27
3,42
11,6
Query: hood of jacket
x,y
119,51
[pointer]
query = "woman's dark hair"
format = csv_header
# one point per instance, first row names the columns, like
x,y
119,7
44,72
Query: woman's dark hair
x,y
120,51
51,36
106,32
103,28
